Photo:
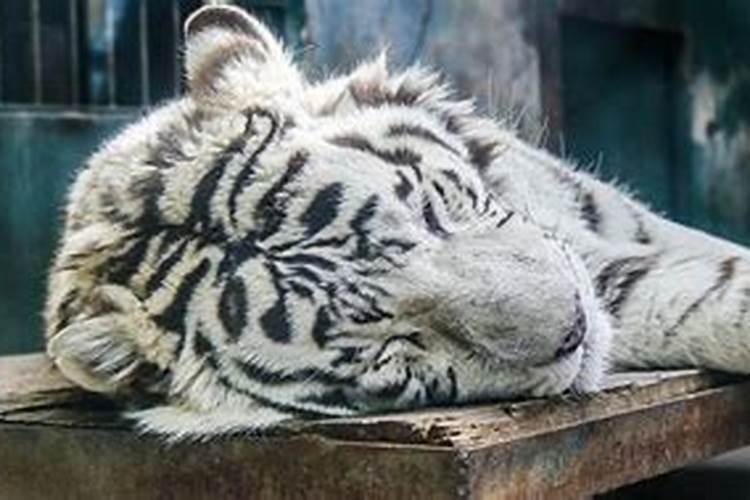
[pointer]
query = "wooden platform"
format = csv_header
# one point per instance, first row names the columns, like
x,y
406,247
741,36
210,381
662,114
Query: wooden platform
x,y
59,442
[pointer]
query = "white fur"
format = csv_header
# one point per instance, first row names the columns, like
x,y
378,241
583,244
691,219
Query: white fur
x,y
482,313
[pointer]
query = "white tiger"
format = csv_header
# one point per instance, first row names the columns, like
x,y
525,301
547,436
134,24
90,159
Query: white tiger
x,y
266,248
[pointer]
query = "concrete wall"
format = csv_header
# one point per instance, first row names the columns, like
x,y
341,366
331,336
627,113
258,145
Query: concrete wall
x,y
718,69
486,47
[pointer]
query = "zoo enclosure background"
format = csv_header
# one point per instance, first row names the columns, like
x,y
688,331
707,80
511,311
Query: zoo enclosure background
x,y
655,93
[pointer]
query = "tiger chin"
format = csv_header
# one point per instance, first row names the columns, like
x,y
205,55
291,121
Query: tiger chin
x,y
266,249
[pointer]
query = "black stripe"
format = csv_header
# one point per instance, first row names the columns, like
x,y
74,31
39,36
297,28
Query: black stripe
x,y
402,129
430,217
743,308
121,269
432,392
307,274
641,235
148,189
505,219
165,266
348,356
172,318
287,409
396,388
726,272
275,321
482,154
487,204
236,254
270,210
267,376
310,260
373,314
332,398
617,279
333,241
208,353
590,211
453,394
460,187
414,339
364,249
168,237
440,191
375,95
321,327
233,307
453,177
202,347
65,310
450,121
300,289
364,316
404,187
200,203
401,245
364,214
417,172
323,210
397,156
248,169
167,149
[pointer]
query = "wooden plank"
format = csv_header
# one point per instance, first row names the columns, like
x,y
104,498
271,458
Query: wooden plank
x,y
56,438
45,462
598,455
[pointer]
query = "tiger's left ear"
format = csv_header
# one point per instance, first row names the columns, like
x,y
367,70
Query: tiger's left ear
x,y
233,58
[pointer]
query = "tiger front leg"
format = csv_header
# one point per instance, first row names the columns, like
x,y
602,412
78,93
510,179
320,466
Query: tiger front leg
x,y
687,310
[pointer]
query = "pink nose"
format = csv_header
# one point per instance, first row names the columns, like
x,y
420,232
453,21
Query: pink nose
x,y
575,336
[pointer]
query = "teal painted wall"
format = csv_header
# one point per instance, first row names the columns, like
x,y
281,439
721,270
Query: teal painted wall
x,y
625,113
39,155
667,112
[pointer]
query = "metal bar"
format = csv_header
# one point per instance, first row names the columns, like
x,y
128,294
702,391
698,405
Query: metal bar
x,y
1,67
143,35
109,33
36,50
177,37
75,74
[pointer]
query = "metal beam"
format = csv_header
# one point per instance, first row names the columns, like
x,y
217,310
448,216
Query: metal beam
x,y
56,440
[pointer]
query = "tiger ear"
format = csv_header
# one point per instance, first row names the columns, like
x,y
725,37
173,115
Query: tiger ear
x,y
228,50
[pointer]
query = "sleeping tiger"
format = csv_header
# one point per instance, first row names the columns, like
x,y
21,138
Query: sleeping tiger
x,y
267,248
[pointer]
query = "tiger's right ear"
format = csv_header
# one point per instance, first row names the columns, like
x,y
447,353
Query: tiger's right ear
x,y
233,57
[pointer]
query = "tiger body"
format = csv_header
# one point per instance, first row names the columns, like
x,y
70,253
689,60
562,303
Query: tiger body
x,y
266,249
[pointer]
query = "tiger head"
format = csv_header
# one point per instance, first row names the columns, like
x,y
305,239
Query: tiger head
x,y
347,213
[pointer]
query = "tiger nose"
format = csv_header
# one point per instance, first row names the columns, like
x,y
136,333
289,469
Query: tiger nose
x,y
574,337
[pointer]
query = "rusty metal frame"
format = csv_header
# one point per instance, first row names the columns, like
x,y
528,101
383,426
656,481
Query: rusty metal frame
x,y
58,441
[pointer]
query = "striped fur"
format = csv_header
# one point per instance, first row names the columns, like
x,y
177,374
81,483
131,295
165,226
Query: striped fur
x,y
266,249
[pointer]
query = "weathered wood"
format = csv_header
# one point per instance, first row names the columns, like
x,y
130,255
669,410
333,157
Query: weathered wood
x,y
56,440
